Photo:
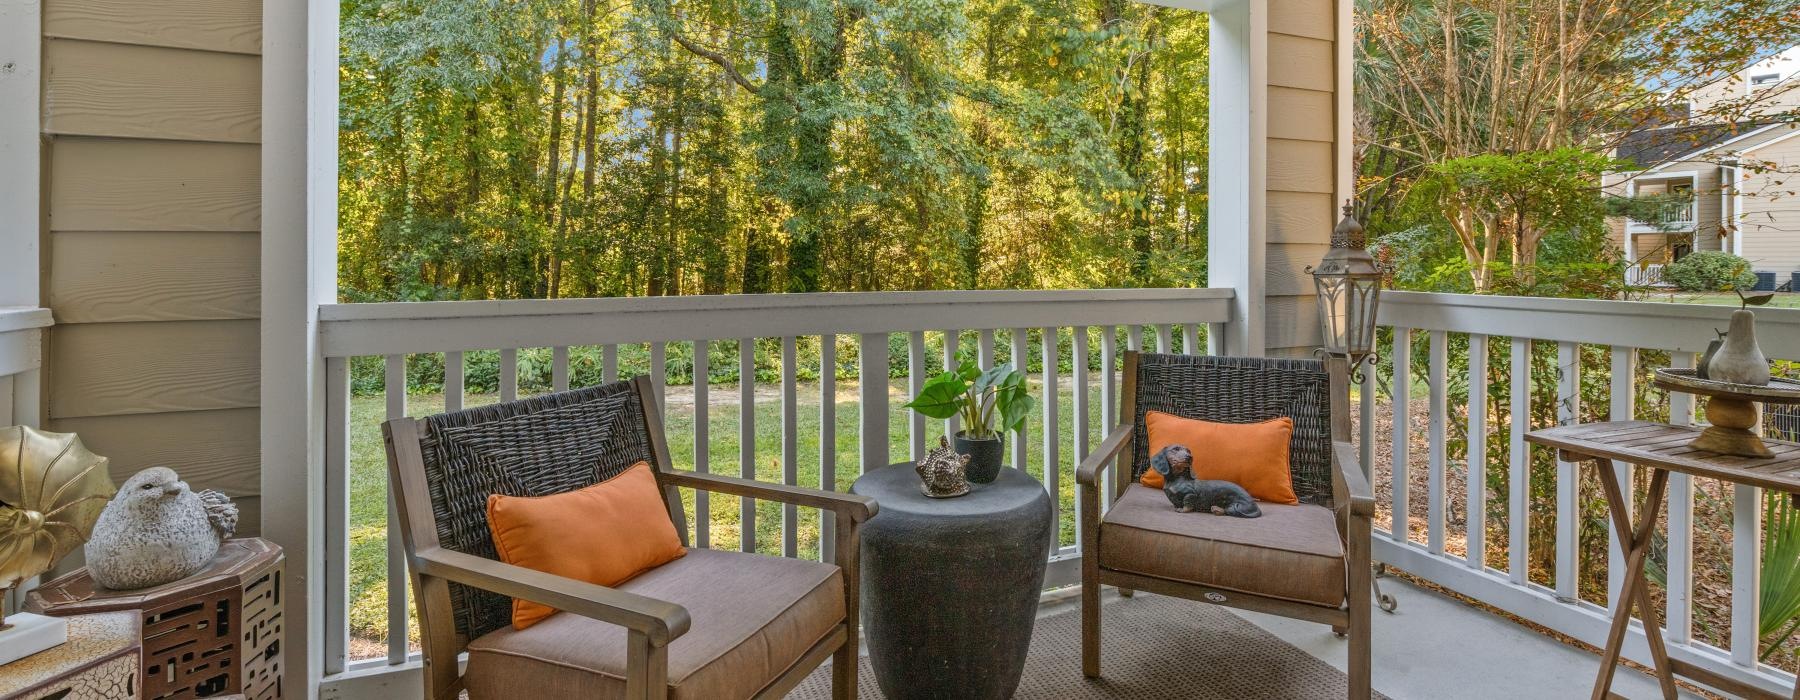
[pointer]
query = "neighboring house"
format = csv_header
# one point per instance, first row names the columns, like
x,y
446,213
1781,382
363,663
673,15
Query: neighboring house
x,y
1736,185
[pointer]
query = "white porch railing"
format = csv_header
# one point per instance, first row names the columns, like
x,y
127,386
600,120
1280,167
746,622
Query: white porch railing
x,y
21,360
1644,275
1624,329
1174,320
1674,216
21,387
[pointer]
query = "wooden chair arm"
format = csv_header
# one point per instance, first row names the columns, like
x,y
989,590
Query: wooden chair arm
x,y
1102,458
1348,478
658,620
859,508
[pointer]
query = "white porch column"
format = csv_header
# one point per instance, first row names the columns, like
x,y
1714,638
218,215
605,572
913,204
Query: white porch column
x,y
1237,163
299,272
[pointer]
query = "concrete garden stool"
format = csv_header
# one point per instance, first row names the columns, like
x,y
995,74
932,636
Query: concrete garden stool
x,y
950,586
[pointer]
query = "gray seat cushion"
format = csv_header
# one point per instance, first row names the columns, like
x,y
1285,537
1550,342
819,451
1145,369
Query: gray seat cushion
x,y
753,617
1291,552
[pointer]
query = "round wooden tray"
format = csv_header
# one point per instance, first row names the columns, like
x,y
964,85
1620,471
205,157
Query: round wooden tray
x,y
1779,390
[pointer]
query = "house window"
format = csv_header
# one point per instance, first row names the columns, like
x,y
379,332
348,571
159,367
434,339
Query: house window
x,y
1765,79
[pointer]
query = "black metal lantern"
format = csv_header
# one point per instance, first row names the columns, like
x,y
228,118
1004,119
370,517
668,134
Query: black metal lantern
x,y
1349,286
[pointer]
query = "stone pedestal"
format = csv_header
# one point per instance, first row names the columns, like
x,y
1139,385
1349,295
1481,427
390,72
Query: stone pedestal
x,y
950,586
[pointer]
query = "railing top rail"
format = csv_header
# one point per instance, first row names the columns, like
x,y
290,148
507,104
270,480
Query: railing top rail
x,y
409,327
1636,324
18,318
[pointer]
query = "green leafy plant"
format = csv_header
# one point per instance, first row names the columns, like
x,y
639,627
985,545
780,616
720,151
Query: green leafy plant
x,y
1710,271
1779,607
987,402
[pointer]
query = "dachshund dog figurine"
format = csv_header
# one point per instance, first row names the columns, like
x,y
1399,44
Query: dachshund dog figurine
x,y
1175,463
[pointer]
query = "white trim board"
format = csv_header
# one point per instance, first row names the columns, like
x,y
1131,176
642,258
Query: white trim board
x,y
21,149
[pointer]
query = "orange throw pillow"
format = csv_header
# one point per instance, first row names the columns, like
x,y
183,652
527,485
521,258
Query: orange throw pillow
x,y
603,534
1251,455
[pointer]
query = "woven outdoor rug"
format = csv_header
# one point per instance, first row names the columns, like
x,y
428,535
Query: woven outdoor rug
x,y
1154,647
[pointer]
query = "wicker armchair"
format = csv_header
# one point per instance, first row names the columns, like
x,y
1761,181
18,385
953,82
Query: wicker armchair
x,y
711,624
1308,561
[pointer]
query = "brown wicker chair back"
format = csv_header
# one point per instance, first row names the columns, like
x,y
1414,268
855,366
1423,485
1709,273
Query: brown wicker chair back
x,y
1242,390
531,447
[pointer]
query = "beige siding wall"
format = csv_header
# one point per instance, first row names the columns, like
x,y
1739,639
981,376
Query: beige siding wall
x,y
1771,223
1302,124
152,113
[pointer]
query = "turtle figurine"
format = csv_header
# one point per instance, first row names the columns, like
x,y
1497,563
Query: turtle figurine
x,y
942,472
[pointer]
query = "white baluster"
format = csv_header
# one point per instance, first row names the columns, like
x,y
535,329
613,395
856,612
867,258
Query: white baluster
x,y
1679,587
1402,433
915,383
747,440
1746,573
702,443
1518,496
1568,503
396,550
453,381
1052,438
1021,360
337,513
790,444
828,442
509,374
1078,352
952,339
1436,371
659,375
1623,400
872,381
1109,403
559,368
1477,453
609,364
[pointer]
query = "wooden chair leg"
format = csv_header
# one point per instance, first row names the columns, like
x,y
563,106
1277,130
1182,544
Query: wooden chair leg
x,y
1090,627
843,669
1361,660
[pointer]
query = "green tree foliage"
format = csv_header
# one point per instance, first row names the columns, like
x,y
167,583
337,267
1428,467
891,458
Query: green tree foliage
x,y
548,148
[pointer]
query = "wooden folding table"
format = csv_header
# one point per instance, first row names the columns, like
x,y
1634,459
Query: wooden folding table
x,y
1662,449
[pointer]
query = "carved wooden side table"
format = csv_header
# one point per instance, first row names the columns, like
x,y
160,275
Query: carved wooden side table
x,y
1661,449
99,662
216,633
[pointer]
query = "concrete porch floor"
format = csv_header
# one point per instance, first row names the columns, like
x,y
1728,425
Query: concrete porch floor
x,y
1435,647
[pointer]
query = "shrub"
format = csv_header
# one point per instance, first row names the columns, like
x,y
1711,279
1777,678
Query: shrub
x,y
1710,271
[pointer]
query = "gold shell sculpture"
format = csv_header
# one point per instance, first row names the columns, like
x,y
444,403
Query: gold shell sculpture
x,y
52,489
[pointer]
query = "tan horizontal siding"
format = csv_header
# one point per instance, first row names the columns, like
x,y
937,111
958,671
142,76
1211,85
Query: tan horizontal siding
x,y
1301,115
1301,217
211,25
1300,166
1293,325
1301,62
154,276
1771,224
104,89
1307,18
1286,265
109,369
210,449
130,185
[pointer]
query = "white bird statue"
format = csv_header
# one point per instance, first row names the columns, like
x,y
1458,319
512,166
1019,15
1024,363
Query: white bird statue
x,y
156,530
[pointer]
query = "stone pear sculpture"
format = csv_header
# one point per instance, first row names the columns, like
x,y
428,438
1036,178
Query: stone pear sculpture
x,y
1739,360
157,530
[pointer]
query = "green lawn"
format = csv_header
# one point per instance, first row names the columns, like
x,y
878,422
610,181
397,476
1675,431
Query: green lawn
x,y
1781,301
368,476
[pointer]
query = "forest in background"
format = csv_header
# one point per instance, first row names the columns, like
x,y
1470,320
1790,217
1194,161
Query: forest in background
x,y
580,148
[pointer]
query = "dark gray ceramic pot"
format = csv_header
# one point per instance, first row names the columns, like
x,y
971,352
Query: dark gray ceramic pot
x,y
984,456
